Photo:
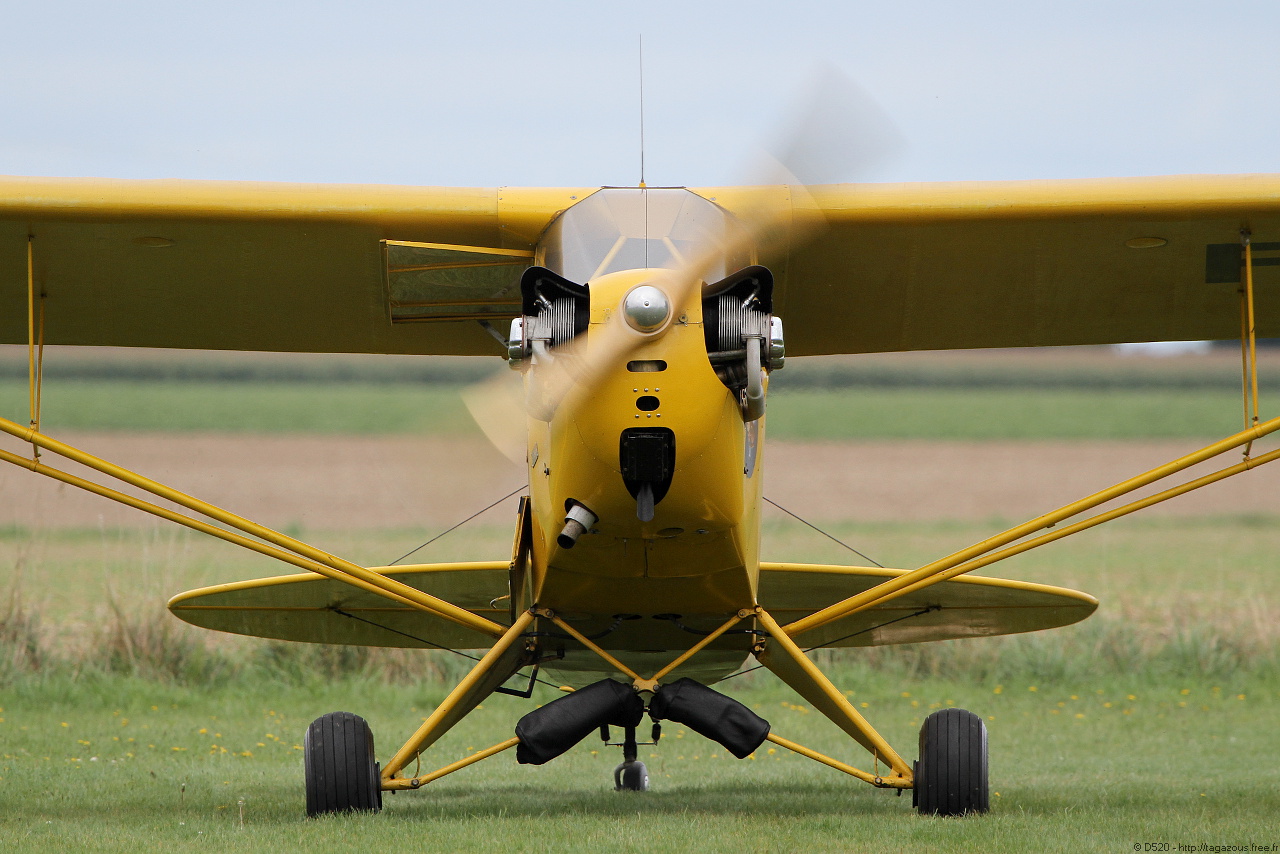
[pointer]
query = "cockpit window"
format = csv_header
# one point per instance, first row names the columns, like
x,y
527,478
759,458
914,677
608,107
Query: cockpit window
x,y
626,229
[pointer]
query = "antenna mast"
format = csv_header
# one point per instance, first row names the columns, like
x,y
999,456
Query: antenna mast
x,y
642,110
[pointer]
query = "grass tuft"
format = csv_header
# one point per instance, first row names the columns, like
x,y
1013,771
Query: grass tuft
x,y
1102,645
302,664
21,647
148,643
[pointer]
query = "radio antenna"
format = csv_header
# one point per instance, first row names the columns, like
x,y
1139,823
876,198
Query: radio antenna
x,y
642,184
642,110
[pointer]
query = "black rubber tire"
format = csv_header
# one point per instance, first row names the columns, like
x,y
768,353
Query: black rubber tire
x,y
951,775
341,772
631,777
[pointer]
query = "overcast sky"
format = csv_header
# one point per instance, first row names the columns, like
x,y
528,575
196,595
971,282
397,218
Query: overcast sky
x,y
547,93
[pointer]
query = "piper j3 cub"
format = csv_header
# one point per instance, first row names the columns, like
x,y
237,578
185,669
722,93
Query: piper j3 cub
x,y
645,324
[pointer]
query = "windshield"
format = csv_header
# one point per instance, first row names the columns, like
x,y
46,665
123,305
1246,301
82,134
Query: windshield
x,y
627,228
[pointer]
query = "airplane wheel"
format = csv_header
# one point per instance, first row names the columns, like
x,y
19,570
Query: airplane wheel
x,y
951,775
631,777
341,773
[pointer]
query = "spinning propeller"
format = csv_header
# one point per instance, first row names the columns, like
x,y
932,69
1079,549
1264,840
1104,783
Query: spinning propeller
x,y
835,132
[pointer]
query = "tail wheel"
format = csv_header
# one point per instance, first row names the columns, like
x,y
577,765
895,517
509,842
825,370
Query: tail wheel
x,y
341,773
951,775
631,777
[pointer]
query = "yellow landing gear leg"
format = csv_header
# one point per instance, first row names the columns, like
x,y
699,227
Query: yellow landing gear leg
x,y
951,776
789,663
341,773
508,655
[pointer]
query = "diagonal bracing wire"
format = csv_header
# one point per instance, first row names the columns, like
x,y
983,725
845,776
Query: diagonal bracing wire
x,y
460,524
820,531
423,640
423,546
921,612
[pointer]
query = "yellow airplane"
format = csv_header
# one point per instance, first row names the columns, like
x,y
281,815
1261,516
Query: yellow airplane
x,y
644,324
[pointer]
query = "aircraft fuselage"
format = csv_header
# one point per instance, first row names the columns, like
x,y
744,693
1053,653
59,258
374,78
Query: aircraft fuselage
x,y
698,555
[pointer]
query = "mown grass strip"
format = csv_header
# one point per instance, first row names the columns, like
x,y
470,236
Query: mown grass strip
x,y
251,407
867,413
1079,368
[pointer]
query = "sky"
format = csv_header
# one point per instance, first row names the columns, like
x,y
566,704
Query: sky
x,y
548,93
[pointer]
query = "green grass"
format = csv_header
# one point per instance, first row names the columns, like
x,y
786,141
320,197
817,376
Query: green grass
x,y
1067,393
1048,367
241,407
1134,731
124,765
865,413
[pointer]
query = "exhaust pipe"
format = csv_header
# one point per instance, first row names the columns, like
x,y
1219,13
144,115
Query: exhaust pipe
x,y
753,394
577,521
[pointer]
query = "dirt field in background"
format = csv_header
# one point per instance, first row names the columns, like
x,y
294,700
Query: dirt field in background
x,y
348,483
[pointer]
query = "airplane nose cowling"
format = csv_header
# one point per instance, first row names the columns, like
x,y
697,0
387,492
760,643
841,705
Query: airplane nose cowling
x,y
652,442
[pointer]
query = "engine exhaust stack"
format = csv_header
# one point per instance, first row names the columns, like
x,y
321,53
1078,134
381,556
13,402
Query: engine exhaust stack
x,y
577,521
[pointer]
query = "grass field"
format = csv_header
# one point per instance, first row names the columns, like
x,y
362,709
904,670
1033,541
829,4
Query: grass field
x,y
1101,764
1152,722
864,413
1075,393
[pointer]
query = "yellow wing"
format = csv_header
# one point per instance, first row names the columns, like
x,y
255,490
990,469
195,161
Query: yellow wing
x,y
965,607
227,265
1024,263
248,266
